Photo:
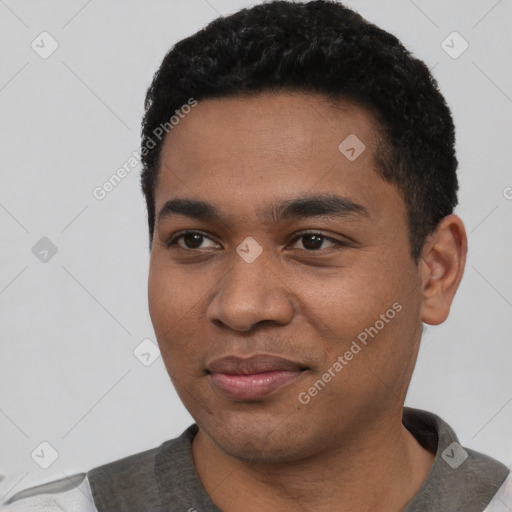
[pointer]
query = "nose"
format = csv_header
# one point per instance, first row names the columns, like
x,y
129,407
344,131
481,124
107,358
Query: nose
x,y
250,294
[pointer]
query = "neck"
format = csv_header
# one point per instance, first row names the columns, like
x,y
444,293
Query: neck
x,y
381,468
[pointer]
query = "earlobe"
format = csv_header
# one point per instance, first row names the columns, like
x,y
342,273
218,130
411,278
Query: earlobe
x,y
442,266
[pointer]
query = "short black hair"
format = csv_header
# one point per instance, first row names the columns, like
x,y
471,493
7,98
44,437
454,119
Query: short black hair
x,y
318,47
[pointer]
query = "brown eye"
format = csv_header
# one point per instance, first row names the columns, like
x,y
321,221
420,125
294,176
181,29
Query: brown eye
x,y
317,241
190,240
312,242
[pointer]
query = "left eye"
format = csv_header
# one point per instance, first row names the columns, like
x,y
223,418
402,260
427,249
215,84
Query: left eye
x,y
314,241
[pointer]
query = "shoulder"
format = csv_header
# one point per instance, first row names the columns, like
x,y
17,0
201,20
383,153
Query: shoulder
x,y
502,500
135,482
133,469
78,493
71,493
125,484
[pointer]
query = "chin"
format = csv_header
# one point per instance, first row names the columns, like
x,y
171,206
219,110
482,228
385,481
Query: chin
x,y
262,452
263,443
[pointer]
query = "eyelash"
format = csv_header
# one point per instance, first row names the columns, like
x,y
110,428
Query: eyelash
x,y
174,239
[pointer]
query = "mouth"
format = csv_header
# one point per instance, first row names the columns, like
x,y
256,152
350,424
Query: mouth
x,y
252,378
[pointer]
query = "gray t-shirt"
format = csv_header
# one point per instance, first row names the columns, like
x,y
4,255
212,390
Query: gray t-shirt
x,y
165,479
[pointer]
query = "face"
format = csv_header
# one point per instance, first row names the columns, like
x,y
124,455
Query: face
x,y
272,242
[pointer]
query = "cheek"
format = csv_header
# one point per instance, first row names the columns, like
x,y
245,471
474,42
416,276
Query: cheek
x,y
173,307
174,302
172,293
374,306
348,301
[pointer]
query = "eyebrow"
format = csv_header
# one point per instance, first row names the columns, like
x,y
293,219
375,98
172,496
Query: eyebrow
x,y
330,205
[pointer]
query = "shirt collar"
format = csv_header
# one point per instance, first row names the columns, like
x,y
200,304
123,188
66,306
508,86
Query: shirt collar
x,y
459,479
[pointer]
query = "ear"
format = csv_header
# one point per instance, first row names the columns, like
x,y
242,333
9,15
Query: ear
x,y
442,264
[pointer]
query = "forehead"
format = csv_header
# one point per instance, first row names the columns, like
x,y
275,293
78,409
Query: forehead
x,y
240,151
275,124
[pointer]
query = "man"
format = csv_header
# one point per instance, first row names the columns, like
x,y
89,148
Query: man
x,y
301,232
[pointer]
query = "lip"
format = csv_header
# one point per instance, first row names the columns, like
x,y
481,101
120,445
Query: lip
x,y
253,377
258,363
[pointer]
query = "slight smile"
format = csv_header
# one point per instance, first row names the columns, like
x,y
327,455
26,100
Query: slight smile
x,y
252,378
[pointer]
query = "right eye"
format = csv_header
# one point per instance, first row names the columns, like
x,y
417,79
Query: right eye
x,y
191,240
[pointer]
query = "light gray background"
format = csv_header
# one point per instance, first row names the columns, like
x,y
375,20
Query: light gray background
x,y
68,375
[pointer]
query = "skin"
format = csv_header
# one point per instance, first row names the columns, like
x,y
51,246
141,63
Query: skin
x,y
346,449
